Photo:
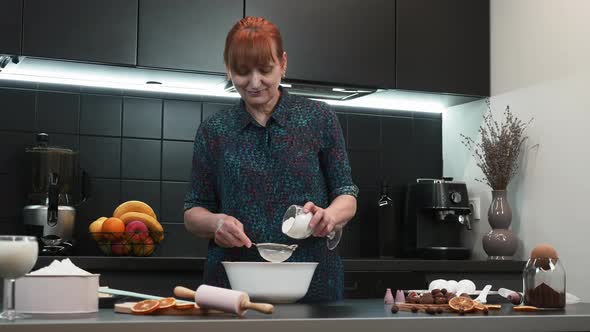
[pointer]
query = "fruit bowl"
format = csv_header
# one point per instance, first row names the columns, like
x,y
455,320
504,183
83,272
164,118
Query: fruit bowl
x,y
127,243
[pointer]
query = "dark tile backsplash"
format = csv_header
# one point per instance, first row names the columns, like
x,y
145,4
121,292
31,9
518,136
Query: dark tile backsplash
x,y
141,158
181,119
58,112
139,146
100,115
20,104
142,117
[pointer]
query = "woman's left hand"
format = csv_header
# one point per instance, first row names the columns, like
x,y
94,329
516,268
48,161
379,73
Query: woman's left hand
x,y
323,221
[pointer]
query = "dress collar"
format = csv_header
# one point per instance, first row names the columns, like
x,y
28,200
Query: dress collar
x,y
279,115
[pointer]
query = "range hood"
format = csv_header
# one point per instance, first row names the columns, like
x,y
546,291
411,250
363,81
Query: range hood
x,y
317,91
42,70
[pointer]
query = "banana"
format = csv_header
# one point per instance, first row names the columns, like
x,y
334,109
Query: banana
x,y
133,206
153,225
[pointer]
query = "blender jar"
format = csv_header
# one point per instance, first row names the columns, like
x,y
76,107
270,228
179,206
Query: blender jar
x,y
51,164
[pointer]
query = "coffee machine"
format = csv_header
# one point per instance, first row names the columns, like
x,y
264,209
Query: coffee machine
x,y
436,219
50,212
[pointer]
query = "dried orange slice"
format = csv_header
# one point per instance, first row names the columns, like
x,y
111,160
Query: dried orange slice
x,y
461,304
184,305
525,308
145,306
479,306
494,306
167,302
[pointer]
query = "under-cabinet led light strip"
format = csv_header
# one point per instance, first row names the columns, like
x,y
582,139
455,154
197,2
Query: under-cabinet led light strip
x,y
100,76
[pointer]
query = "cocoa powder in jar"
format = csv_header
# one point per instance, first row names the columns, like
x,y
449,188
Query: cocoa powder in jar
x,y
543,296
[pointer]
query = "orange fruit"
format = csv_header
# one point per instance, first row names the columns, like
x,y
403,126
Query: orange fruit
x,y
113,229
145,307
167,302
462,304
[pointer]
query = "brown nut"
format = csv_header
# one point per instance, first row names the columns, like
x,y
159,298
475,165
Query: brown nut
x,y
435,291
430,310
427,300
394,309
440,300
444,291
414,309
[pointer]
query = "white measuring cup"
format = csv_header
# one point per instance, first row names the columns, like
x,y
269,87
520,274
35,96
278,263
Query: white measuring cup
x,y
296,226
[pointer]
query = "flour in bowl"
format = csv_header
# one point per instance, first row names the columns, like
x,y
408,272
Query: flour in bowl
x,y
63,267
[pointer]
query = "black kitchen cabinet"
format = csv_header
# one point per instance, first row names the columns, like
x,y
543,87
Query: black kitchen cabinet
x,y
87,30
443,46
351,42
185,34
11,26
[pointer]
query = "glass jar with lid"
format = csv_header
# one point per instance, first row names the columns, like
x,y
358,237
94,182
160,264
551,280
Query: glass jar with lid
x,y
544,283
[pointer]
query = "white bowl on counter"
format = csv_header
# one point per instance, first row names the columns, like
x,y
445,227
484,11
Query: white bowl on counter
x,y
271,282
57,294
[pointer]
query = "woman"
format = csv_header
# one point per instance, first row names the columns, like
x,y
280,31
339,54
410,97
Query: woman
x,y
268,152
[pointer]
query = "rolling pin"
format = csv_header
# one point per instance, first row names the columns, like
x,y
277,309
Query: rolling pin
x,y
223,299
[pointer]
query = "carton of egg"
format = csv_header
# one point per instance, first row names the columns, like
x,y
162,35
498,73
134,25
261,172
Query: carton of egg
x,y
453,286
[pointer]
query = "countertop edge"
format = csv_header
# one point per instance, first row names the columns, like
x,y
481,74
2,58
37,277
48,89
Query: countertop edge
x,y
196,264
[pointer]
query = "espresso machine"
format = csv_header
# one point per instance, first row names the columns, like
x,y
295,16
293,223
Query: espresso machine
x,y
436,219
50,213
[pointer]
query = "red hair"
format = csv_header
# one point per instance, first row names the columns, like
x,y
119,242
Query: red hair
x,y
252,41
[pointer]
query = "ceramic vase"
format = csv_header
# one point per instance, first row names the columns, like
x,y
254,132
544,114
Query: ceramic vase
x,y
500,243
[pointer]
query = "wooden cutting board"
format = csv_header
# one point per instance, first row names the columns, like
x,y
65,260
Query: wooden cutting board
x,y
125,308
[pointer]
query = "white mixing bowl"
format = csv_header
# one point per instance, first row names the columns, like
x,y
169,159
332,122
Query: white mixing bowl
x,y
271,282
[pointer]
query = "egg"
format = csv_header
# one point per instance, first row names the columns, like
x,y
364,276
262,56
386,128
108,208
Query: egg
x,y
437,284
542,254
452,286
465,286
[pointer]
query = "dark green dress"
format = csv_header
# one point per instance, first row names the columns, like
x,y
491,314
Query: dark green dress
x,y
255,173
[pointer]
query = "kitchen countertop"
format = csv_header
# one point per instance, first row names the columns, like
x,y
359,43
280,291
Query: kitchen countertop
x,y
348,315
195,264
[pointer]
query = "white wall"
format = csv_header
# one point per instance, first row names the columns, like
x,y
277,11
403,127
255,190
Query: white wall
x,y
540,66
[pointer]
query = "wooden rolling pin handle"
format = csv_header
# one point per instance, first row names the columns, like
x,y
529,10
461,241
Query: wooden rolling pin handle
x,y
184,292
265,308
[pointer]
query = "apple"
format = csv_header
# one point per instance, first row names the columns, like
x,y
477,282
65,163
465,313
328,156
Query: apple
x,y
120,248
145,248
136,231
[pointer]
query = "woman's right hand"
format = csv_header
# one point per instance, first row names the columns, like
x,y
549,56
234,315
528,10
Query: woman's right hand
x,y
230,233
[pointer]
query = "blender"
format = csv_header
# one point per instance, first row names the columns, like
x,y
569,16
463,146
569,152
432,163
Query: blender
x,y
50,212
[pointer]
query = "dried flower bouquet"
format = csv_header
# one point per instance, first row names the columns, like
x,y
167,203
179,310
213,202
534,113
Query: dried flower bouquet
x,y
498,151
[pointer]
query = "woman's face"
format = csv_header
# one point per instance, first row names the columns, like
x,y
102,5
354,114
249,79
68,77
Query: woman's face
x,y
259,85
